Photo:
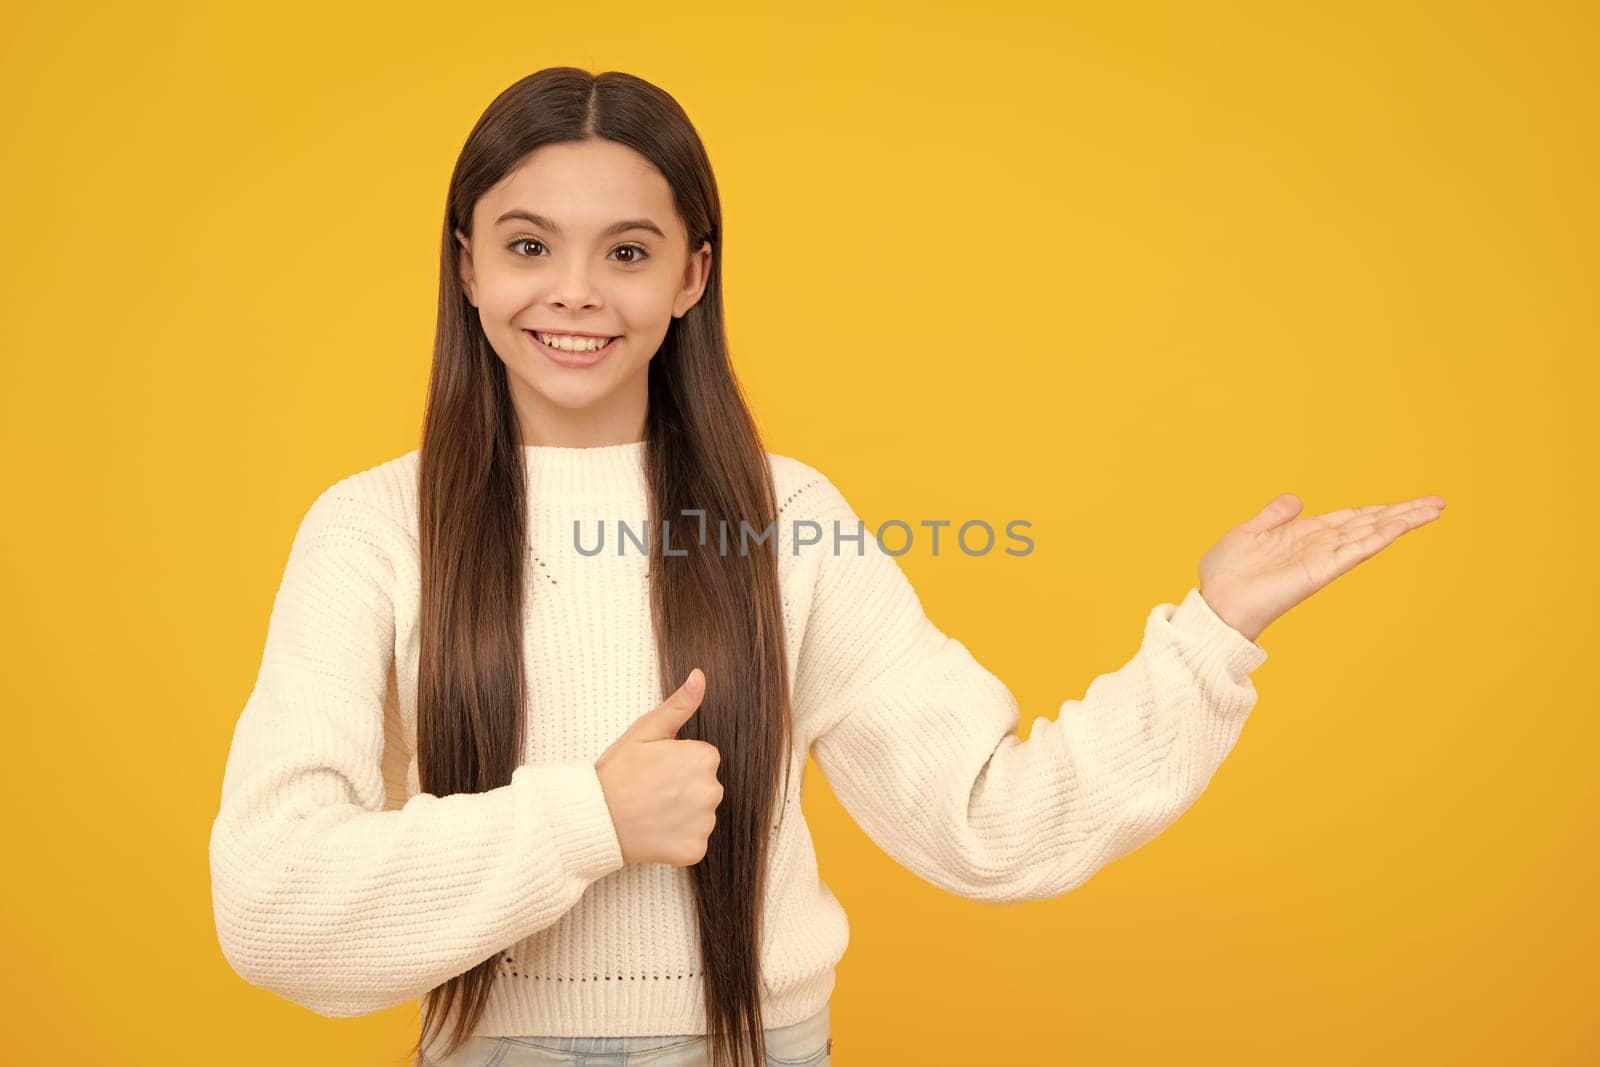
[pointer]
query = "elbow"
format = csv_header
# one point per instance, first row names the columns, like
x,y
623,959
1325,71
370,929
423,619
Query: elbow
x,y
342,1007
305,965
1056,865
1018,886
984,879
1024,869
310,985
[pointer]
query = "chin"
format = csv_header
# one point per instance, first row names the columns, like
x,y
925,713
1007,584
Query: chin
x,y
570,399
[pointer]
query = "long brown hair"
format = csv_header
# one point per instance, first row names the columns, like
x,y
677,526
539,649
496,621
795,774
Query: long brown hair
x,y
722,613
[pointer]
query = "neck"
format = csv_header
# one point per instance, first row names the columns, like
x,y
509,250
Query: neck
x,y
618,420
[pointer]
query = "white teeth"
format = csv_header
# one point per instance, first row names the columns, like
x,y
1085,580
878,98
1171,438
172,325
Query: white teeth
x,y
573,344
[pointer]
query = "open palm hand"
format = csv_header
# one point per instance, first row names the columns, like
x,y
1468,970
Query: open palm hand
x,y
1263,567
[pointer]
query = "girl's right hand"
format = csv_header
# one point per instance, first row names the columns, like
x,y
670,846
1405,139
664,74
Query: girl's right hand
x,y
663,792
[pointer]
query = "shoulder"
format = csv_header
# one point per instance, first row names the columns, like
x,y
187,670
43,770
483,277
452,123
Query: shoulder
x,y
800,487
379,500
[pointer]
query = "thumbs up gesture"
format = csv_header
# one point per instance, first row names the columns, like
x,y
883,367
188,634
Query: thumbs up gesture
x,y
663,792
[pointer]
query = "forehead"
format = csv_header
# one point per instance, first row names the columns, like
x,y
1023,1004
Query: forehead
x,y
583,187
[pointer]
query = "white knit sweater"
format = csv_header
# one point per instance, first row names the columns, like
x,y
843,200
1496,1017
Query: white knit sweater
x,y
339,885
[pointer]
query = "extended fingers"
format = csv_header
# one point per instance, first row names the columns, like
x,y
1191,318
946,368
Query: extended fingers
x,y
1369,532
1379,512
1412,513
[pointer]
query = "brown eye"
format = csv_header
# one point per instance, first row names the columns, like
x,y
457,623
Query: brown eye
x,y
639,252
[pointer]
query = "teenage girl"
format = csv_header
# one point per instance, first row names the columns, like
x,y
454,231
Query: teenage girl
x,y
499,762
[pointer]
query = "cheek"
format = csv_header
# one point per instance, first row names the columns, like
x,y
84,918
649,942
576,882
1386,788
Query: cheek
x,y
641,310
498,300
645,311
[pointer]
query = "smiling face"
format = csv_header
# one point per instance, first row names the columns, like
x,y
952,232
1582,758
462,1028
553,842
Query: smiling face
x,y
581,237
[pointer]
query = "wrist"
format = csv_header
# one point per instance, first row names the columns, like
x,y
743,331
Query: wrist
x,y
1235,617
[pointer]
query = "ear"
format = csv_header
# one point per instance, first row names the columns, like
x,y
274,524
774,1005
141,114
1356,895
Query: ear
x,y
695,275
464,260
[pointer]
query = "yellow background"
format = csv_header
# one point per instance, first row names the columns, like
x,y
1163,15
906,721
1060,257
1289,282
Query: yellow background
x,y
1126,271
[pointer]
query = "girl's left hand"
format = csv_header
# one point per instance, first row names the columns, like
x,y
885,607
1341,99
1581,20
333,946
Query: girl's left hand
x,y
1262,568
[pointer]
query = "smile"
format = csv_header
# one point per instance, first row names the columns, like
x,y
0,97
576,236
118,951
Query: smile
x,y
566,357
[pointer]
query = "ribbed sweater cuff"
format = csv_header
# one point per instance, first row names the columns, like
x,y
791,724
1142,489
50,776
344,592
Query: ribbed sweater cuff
x,y
1220,646
570,796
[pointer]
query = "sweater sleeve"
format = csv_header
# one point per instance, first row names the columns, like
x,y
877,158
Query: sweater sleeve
x,y
916,738
319,893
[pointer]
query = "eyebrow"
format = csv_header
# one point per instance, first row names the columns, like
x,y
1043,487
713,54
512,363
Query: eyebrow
x,y
616,227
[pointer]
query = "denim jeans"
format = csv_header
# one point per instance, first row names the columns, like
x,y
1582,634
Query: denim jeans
x,y
807,1043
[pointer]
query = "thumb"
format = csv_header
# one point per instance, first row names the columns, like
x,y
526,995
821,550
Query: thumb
x,y
665,720
1280,510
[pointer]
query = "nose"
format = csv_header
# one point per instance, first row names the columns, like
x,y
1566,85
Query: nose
x,y
574,288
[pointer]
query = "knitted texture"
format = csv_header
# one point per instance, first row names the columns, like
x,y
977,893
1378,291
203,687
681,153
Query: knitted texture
x,y
339,885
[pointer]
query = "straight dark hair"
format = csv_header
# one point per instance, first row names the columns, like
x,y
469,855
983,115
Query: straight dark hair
x,y
722,613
